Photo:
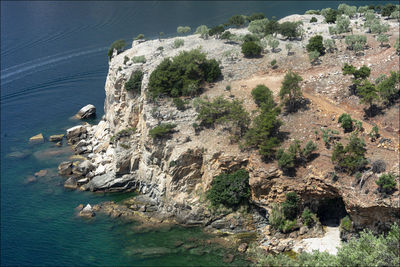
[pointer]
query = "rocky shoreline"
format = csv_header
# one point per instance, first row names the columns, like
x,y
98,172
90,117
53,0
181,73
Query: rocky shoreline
x,y
172,176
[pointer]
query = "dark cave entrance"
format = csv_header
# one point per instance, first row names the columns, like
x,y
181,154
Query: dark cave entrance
x,y
331,210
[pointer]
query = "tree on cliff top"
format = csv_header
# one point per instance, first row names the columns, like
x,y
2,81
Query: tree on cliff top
x,y
118,45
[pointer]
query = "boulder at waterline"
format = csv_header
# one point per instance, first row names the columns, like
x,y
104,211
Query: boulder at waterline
x,y
87,212
65,168
41,173
37,139
71,183
56,137
86,112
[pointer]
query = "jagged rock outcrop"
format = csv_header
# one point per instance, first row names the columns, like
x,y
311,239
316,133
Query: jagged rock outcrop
x,y
86,112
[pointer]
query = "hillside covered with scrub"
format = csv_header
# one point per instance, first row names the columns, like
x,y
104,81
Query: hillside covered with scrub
x,y
281,136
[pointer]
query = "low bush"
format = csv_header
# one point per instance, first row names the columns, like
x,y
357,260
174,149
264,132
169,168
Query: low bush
x,y
183,75
346,122
350,158
386,183
139,36
313,19
161,131
118,45
230,190
178,43
221,110
251,49
316,44
308,217
263,95
139,59
378,166
290,206
346,224
179,103
134,84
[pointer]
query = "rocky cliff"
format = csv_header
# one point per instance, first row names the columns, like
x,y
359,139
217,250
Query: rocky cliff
x,y
175,173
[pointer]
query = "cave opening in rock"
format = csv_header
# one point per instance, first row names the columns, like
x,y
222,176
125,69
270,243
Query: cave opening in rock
x,y
331,210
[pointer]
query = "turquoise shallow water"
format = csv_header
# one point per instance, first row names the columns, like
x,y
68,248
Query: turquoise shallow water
x,y
53,62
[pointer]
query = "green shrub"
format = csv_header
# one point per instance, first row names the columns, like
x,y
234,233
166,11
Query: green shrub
x,y
183,75
217,30
313,56
258,26
389,89
313,19
356,42
179,103
251,49
273,63
226,35
250,38
289,226
264,131
161,131
276,218
374,133
228,88
328,136
230,190
330,15
346,224
308,150
386,183
263,95
290,91
220,111
388,9
119,45
139,59
126,59
285,161
134,83
316,44
183,29
289,29
308,217
203,31
139,36
178,43
350,158
346,122
290,206
358,74
236,20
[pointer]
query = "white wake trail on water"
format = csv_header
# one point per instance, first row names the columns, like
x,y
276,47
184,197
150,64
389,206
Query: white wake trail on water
x,y
34,65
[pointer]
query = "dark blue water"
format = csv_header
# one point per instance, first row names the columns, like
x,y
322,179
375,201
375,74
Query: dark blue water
x,y
53,61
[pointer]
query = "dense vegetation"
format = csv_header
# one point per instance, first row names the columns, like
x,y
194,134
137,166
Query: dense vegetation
x,y
134,84
183,75
118,45
162,131
367,250
223,111
230,189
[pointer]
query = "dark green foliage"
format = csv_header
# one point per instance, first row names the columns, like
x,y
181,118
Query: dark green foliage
x,y
308,150
346,224
264,131
290,206
289,29
290,91
217,30
368,93
226,35
250,38
119,45
220,111
346,122
367,250
316,44
271,27
126,59
285,160
179,103
388,9
256,16
313,19
374,134
273,63
161,131
386,183
230,190
289,226
308,217
263,95
331,15
251,49
236,20
134,84
362,73
350,158
139,36
328,136
387,88
183,75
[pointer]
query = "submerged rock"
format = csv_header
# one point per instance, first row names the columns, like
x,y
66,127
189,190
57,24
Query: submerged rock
x,y
65,168
71,183
87,212
86,112
37,139
56,137
41,173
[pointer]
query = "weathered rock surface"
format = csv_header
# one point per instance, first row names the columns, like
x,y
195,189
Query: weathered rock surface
x,y
76,133
65,168
56,137
37,139
87,212
86,112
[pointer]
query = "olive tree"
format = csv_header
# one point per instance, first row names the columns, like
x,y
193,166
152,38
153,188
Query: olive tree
x,y
330,45
288,48
203,31
382,38
273,43
183,29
